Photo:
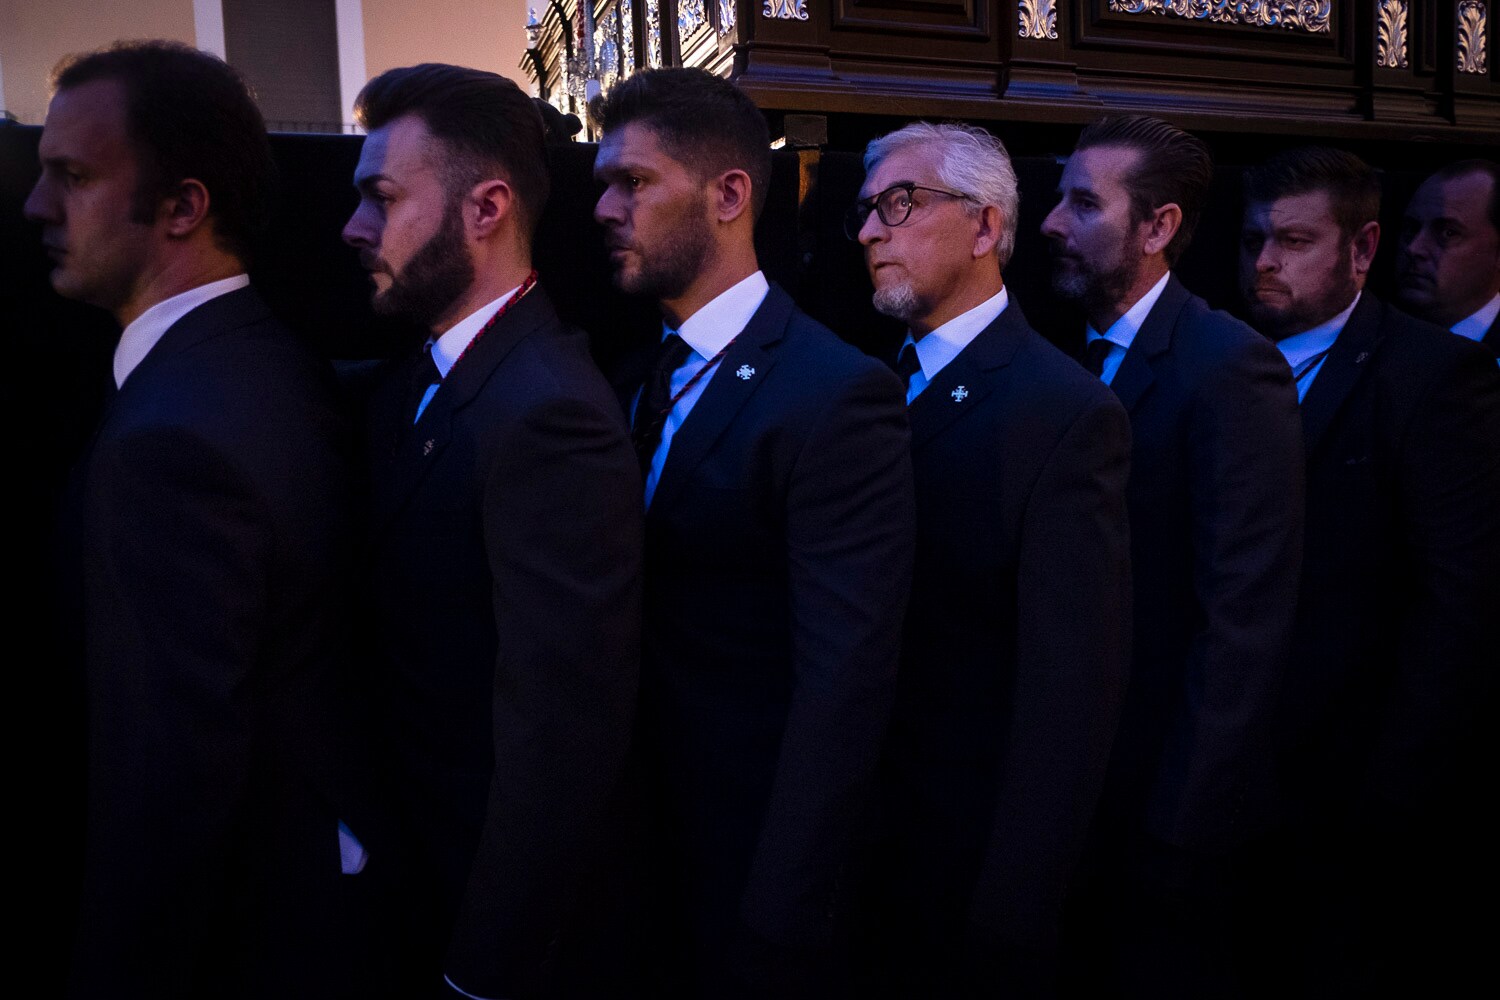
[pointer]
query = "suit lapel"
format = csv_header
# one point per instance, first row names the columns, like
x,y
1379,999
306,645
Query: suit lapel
x,y
1491,337
419,445
1137,371
964,382
216,317
1345,364
750,355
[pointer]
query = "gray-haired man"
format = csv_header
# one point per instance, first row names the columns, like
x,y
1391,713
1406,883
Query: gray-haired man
x,y
1017,637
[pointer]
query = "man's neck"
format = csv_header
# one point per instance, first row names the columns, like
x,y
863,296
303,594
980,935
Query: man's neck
x,y
181,273
489,284
718,276
1152,268
973,293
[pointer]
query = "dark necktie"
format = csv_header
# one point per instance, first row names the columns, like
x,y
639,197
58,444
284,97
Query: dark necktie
x,y
1094,356
656,398
424,373
907,364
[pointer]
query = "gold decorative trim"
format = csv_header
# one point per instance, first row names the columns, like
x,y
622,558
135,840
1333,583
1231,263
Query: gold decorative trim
x,y
1473,37
1038,18
785,10
1390,34
1311,16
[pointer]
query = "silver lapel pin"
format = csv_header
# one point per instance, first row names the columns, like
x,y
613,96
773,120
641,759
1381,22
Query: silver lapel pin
x,y
427,447
960,394
744,372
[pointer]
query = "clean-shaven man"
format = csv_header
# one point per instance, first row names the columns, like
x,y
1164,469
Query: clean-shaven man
x,y
209,511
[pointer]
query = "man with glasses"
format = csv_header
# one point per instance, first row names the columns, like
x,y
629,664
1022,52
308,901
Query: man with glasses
x,y
778,552
1017,637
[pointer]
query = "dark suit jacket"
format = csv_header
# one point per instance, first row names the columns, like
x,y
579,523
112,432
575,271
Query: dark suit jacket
x,y
505,566
1216,547
1395,636
778,560
1016,651
213,502
1491,337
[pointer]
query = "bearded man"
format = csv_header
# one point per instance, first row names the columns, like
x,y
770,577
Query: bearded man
x,y
505,543
778,553
1383,713
1215,498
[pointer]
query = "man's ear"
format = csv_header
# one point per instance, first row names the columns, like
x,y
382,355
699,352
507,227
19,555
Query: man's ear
x,y
489,203
731,196
185,209
990,221
1362,248
1162,227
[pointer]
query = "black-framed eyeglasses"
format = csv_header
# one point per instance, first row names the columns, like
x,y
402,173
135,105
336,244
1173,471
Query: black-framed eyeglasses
x,y
893,205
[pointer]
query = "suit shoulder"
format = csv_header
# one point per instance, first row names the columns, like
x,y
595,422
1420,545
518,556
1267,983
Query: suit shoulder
x,y
553,362
1415,357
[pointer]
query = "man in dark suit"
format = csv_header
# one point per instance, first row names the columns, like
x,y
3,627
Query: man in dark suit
x,y
208,518
1448,261
778,549
1215,502
505,541
1017,639
1392,685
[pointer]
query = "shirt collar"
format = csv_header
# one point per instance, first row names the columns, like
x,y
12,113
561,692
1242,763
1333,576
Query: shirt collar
x,y
712,327
1476,326
947,342
137,339
456,339
1122,332
1300,346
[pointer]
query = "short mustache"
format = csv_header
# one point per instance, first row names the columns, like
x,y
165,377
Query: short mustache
x,y
371,262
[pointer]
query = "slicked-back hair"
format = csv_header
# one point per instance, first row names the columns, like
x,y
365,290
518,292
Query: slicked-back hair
x,y
487,127
1352,185
1490,169
1174,167
968,160
702,121
188,116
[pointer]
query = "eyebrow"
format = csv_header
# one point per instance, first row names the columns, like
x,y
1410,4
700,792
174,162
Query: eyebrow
x,y
864,197
368,181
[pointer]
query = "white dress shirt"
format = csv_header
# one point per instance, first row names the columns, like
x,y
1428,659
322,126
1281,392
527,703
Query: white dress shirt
x,y
447,347
707,332
1307,351
1122,332
946,342
1476,326
142,334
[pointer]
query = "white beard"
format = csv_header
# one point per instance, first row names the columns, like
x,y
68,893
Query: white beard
x,y
897,301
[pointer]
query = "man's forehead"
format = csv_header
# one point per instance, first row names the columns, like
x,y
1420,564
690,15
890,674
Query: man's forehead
x,y
907,165
1307,208
402,150
1100,167
89,117
1465,197
633,146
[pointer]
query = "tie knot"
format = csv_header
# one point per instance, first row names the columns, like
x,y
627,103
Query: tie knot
x,y
671,354
907,363
1095,354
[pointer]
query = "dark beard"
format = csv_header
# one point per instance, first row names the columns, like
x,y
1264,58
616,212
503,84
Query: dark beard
x,y
1299,317
669,273
435,277
1095,290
